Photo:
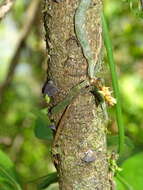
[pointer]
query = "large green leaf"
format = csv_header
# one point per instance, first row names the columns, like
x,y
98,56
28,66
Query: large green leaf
x,y
119,185
132,173
8,176
42,129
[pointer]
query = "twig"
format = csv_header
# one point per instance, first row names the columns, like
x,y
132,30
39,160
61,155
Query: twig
x,y
31,14
5,8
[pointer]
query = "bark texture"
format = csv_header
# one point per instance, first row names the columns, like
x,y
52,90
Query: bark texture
x,y
79,149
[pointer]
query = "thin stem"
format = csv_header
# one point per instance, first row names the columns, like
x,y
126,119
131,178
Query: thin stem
x,y
108,45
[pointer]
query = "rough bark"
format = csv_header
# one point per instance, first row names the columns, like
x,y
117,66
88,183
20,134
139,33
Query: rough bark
x,y
81,127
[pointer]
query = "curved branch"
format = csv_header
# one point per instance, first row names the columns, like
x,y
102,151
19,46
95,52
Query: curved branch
x,y
31,14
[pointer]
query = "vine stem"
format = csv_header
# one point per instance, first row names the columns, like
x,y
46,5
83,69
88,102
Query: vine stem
x,y
108,46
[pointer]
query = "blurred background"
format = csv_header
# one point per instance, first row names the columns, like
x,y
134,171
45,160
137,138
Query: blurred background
x,y
23,72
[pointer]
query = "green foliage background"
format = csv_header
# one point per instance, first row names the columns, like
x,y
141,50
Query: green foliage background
x,y
23,100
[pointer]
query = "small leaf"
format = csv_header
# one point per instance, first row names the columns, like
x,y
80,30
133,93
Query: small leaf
x,y
47,99
42,129
48,180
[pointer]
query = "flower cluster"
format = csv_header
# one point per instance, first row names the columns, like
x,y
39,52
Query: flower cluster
x,y
106,93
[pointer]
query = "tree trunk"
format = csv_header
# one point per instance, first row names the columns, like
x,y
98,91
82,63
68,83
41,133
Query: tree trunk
x,y
79,148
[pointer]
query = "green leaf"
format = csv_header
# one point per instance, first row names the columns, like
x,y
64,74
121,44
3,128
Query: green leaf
x,y
5,160
48,180
47,99
122,184
5,184
132,172
7,164
42,129
8,176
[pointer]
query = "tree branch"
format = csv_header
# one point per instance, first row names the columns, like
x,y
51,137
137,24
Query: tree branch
x,y
79,149
31,14
5,8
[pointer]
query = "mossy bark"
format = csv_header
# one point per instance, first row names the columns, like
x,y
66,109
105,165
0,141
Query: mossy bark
x,y
81,126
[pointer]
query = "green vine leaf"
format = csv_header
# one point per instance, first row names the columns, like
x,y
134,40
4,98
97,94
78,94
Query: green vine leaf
x,y
48,180
42,127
